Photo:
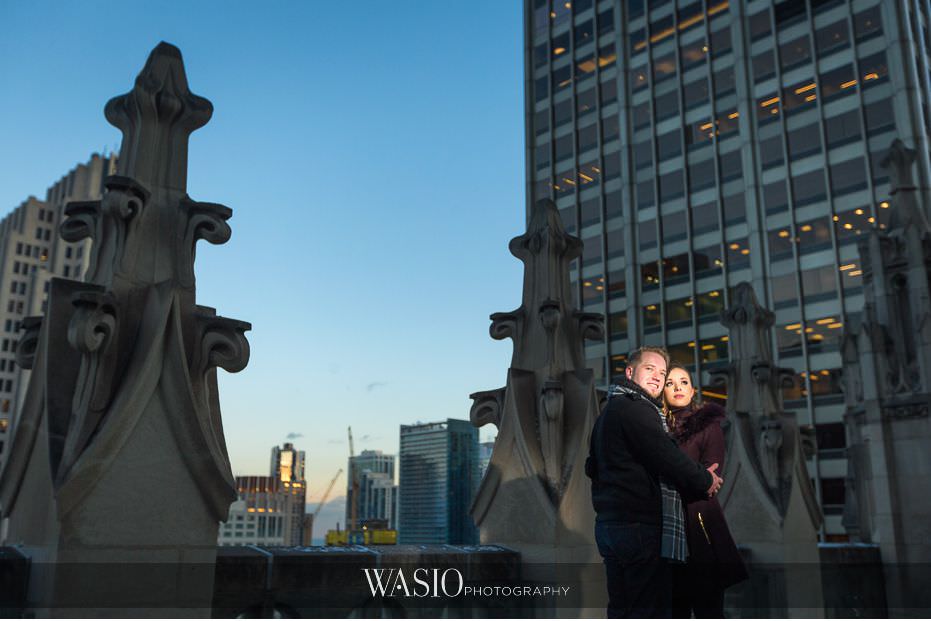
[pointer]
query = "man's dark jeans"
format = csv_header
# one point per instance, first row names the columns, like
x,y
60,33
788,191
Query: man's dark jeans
x,y
639,581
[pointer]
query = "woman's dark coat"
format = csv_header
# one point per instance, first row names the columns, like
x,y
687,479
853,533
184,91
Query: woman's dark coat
x,y
712,550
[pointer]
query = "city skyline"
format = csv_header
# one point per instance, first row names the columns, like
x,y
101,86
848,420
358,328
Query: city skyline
x,y
373,159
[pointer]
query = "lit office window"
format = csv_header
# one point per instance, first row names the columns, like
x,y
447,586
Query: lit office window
x,y
678,312
838,82
874,69
652,318
675,268
814,235
649,275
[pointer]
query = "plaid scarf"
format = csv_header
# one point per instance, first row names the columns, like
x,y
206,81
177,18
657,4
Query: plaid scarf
x,y
674,544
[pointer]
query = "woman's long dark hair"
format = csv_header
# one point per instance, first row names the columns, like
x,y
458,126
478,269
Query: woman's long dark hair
x,y
695,403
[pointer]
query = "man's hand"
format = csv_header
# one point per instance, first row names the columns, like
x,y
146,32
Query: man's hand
x,y
716,481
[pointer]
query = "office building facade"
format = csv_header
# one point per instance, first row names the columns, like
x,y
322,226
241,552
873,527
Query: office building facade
x,y
31,253
693,145
373,473
267,511
378,500
439,475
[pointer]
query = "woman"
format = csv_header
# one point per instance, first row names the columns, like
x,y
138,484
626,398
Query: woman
x,y
714,561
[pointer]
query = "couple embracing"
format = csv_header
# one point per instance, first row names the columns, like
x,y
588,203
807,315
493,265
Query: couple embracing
x,y
655,463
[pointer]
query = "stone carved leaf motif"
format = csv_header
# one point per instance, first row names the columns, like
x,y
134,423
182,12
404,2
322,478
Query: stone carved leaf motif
x,y
28,342
91,331
207,221
83,221
105,222
80,221
93,322
487,407
223,344
591,325
92,328
124,199
121,207
504,325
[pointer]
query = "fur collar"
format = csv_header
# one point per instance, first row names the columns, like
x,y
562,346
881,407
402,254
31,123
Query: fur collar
x,y
696,423
622,385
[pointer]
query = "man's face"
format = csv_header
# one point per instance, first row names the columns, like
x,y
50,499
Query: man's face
x,y
649,374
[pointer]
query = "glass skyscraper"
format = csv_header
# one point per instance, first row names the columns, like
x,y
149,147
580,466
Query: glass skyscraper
x,y
373,474
439,475
693,145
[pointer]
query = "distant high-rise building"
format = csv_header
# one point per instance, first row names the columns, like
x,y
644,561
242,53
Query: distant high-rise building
x,y
693,145
439,475
378,499
373,471
287,463
270,509
484,456
267,511
31,253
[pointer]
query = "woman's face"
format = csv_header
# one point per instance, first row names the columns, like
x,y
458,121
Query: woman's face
x,y
679,390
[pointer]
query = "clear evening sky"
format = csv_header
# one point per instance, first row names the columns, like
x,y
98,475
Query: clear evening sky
x,y
372,153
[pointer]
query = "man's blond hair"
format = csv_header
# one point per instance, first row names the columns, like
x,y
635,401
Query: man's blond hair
x,y
634,358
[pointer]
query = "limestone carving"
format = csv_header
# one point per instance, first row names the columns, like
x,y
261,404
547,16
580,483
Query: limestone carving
x,y
121,425
767,495
535,492
888,389
764,435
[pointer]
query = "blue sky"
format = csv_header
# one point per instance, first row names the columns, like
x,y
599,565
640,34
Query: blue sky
x,y
372,153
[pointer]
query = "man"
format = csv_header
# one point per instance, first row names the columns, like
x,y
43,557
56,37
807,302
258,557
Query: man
x,y
636,469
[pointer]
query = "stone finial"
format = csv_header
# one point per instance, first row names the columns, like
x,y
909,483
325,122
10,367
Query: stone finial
x,y
767,496
898,161
749,325
157,118
754,383
545,412
120,439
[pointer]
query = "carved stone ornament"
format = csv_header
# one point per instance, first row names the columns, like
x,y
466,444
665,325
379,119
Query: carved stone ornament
x,y
535,490
120,434
765,466
887,379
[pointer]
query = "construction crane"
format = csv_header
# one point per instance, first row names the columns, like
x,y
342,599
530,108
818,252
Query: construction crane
x,y
354,503
369,532
309,528
326,494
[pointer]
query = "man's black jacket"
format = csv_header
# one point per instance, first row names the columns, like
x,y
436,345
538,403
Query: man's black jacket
x,y
629,451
